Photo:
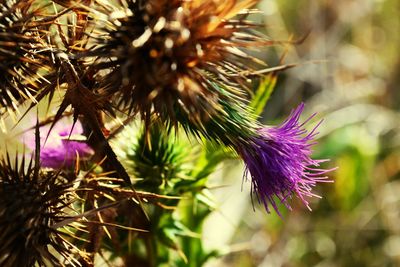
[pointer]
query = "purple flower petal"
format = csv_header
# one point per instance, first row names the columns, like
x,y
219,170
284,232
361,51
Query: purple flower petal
x,y
61,149
279,162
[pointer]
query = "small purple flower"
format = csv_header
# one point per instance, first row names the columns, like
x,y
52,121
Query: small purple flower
x,y
279,162
62,146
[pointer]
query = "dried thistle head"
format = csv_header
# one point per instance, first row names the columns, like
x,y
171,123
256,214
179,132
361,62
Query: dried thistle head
x,y
70,73
32,203
72,3
166,56
21,52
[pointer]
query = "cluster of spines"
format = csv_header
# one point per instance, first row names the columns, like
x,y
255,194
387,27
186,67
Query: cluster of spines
x,y
32,203
23,52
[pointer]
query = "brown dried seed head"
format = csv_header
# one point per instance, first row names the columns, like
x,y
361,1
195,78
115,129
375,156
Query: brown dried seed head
x,y
168,57
31,202
21,52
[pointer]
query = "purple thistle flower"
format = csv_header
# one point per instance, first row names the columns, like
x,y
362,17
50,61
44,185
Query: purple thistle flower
x,y
62,146
280,165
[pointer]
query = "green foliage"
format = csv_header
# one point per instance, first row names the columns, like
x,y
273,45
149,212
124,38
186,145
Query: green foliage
x,y
263,93
160,164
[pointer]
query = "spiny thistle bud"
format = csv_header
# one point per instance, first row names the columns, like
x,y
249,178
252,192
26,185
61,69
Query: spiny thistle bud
x,y
31,203
166,56
156,159
21,52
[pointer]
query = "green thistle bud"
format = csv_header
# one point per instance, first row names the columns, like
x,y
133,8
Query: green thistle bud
x,y
156,160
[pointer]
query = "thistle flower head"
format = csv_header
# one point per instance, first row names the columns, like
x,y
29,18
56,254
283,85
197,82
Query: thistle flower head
x,y
168,55
279,162
31,203
62,145
21,52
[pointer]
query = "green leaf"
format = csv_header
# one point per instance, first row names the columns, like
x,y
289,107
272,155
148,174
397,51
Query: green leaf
x,y
263,93
211,156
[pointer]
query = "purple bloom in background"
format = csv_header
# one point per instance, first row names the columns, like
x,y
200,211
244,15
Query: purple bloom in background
x,y
62,146
280,165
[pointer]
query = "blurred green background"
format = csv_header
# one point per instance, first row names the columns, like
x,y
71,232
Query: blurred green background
x,y
348,71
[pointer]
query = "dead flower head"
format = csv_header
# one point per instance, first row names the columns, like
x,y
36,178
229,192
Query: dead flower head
x,y
167,57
